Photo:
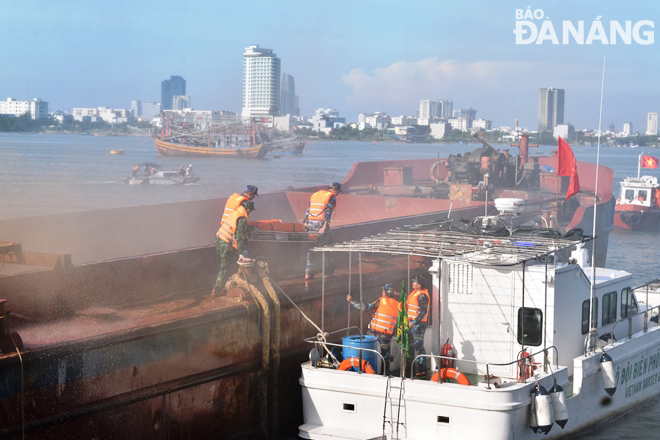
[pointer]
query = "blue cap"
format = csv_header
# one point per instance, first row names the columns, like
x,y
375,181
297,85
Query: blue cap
x,y
388,288
335,185
419,279
251,189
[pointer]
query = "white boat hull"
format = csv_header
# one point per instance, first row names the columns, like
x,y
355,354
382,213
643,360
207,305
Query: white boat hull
x,y
343,404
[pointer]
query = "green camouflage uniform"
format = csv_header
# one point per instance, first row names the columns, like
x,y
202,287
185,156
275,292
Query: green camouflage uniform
x,y
226,255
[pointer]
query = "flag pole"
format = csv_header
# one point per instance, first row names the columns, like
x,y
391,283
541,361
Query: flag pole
x,y
593,233
639,163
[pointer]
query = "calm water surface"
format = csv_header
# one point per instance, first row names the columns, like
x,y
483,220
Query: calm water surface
x,y
49,174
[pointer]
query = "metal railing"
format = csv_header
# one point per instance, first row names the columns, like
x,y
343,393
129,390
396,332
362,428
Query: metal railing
x,y
316,341
522,363
592,337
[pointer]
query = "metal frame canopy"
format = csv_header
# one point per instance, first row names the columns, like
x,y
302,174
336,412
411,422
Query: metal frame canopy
x,y
440,241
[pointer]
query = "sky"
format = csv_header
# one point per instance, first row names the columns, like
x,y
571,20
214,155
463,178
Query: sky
x,y
358,56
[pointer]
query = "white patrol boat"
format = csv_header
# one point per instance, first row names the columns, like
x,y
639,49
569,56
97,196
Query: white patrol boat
x,y
543,344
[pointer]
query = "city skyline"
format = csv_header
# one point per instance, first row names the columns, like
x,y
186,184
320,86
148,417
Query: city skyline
x,y
69,55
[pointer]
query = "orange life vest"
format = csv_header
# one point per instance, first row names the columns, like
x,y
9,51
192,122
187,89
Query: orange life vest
x,y
412,305
227,231
384,319
233,202
318,204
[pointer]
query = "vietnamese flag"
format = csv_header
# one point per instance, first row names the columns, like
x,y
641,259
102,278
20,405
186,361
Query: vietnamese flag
x,y
649,162
567,166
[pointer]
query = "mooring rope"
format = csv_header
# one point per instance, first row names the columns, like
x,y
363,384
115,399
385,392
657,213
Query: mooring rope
x,y
262,270
240,280
320,336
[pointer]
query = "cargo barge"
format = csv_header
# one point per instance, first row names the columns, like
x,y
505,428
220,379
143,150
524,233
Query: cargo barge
x,y
108,329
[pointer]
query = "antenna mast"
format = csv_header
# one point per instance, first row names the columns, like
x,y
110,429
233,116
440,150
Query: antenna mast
x,y
593,233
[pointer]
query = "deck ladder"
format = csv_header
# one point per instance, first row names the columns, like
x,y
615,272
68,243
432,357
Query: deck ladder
x,y
394,413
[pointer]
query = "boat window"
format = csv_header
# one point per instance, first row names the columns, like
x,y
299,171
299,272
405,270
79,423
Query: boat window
x,y
533,326
630,194
642,195
585,315
609,308
628,303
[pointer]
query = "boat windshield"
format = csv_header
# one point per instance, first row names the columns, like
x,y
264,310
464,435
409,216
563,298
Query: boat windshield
x,y
629,195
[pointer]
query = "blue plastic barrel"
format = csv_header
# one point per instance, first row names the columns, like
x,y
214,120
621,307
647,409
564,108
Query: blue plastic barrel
x,y
369,342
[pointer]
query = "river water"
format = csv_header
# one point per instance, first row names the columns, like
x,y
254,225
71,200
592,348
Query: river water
x,y
49,174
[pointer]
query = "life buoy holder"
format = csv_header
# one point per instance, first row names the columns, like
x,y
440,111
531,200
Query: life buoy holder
x,y
451,373
352,362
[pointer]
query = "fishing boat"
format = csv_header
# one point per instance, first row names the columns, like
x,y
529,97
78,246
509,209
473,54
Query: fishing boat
x,y
638,205
286,146
154,174
231,141
533,343
118,151
166,148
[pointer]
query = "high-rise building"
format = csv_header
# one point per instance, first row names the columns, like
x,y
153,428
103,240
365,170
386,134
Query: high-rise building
x,y
447,108
627,128
288,97
429,108
551,108
179,102
433,109
470,114
261,82
169,88
652,124
144,110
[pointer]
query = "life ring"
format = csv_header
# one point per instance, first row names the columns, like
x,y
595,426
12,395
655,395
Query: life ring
x,y
352,362
433,168
451,373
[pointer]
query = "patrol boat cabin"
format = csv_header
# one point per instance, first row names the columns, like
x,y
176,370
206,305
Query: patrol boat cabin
x,y
638,205
542,351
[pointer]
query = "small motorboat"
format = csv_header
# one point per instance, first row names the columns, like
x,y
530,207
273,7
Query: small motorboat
x,y
153,174
119,151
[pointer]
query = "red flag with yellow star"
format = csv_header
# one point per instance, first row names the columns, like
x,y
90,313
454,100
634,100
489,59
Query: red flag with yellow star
x,y
567,166
649,162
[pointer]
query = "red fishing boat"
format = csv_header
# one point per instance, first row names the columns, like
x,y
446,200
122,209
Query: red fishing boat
x,y
230,141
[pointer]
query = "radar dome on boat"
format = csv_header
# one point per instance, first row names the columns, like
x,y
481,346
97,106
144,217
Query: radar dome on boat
x,y
509,206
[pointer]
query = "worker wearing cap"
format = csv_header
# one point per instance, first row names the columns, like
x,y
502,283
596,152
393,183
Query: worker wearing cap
x,y
230,238
383,324
236,199
417,306
317,220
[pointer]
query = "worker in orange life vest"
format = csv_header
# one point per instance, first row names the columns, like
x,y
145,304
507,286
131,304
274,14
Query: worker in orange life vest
x,y
230,238
417,306
317,220
136,168
383,324
235,200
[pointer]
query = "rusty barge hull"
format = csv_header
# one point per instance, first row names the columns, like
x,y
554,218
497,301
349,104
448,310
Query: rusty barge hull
x,y
121,339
